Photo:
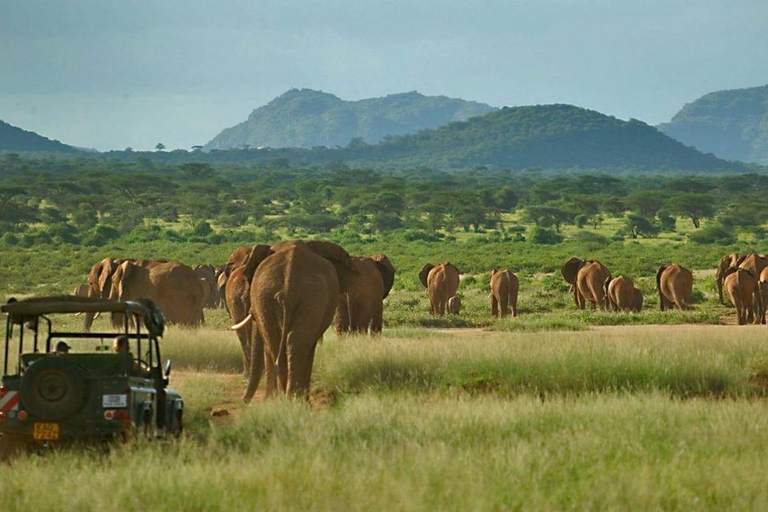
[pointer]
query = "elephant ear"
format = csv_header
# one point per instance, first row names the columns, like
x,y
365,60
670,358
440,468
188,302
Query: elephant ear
x,y
236,259
739,259
424,273
108,268
607,283
571,269
661,270
340,258
387,271
258,254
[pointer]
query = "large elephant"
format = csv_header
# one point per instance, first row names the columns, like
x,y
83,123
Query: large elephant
x,y
587,278
207,273
362,306
621,294
504,289
743,289
294,294
726,262
81,290
100,283
675,285
441,282
755,263
237,298
173,286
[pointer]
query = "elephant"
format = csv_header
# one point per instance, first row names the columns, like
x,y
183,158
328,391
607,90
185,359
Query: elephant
x,y
726,262
743,288
293,298
454,305
675,284
755,263
621,294
587,278
100,283
173,286
221,282
362,306
81,290
504,289
207,273
237,298
441,282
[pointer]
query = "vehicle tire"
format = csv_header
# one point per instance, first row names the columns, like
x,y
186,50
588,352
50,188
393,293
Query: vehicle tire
x,y
53,389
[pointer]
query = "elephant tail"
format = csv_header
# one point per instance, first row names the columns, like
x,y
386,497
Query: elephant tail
x,y
243,323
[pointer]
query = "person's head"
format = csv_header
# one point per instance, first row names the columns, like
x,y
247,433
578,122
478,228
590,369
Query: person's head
x,y
120,344
62,347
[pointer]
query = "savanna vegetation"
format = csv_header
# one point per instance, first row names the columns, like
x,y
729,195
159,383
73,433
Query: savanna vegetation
x,y
556,409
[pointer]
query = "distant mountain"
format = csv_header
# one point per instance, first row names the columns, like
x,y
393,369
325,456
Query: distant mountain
x,y
16,139
541,136
304,118
731,124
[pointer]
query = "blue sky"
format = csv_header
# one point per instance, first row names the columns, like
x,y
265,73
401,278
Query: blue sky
x,y
105,74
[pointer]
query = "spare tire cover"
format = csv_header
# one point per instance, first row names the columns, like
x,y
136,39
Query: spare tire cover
x,y
53,388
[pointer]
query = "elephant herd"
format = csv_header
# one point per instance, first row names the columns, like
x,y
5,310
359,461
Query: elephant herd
x,y
591,282
744,278
283,297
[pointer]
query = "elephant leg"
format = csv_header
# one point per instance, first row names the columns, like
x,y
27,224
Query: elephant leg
x,y
377,321
300,358
244,336
504,305
494,306
513,303
257,365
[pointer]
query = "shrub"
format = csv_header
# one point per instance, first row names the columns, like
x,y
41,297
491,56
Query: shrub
x,y
544,236
713,235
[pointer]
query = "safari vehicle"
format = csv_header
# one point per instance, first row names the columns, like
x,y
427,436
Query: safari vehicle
x,y
91,392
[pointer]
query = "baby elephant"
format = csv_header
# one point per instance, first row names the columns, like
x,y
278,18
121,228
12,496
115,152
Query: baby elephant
x,y
504,288
454,305
621,294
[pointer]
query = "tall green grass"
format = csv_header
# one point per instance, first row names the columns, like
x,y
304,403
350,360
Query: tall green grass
x,y
411,452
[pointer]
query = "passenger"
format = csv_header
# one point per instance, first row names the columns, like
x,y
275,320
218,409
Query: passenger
x,y
62,348
120,346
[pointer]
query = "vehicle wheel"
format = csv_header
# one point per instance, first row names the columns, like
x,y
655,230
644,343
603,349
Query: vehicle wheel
x,y
10,447
53,389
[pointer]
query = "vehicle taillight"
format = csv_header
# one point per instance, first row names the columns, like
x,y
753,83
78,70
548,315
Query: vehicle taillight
x,y
109,414
22,415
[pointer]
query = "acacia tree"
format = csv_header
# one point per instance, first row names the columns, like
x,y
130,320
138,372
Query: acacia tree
x,y
693,205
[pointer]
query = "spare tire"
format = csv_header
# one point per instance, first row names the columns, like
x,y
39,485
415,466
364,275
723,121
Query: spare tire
x,y
53,388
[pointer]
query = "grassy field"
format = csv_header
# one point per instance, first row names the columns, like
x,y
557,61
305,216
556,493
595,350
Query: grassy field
x,y
624,417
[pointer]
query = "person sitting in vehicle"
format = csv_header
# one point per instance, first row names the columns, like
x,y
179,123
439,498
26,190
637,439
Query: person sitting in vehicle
x,y
62,348
120,346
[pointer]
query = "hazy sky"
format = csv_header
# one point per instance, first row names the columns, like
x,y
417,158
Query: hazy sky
x,y
110,74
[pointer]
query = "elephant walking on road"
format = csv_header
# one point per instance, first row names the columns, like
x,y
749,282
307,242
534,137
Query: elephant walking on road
x,y
504,289
441,282
675,285
293,298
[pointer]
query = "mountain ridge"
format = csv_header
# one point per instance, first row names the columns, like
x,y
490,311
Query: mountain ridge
x,y
731,123
13,138
306,118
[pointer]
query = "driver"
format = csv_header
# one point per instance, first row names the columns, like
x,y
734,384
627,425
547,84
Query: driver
x,y
62,348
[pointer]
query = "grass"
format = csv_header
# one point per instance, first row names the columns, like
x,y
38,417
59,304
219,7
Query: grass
x,y
627,417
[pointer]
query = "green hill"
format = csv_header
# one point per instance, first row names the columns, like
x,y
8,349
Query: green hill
x,y
304,118
731,124
16,139
542,136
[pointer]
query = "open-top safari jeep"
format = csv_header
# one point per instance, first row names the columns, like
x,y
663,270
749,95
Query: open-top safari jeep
x,y
53,395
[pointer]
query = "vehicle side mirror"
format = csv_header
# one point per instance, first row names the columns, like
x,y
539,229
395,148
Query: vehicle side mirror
x,y
167,368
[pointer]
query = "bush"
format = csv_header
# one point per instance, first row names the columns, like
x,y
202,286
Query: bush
x,y
544,236
202,228
9,239
100,235
713,235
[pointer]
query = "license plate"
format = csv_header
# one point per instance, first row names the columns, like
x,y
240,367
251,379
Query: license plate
x,y
46,431
114,401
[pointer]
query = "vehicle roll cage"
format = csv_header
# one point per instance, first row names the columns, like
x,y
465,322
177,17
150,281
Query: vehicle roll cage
x,y
29,312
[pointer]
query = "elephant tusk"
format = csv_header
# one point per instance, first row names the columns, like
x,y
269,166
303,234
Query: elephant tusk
x,y
242,323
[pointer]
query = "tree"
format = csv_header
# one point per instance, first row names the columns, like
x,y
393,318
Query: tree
x,y
693,205
636,225
197,149
160,146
